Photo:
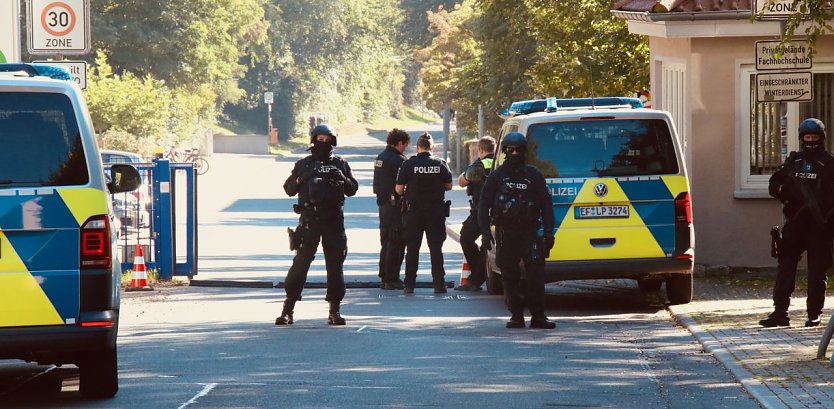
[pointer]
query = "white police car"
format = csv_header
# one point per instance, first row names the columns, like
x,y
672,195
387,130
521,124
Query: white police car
x,y
620,191
59,275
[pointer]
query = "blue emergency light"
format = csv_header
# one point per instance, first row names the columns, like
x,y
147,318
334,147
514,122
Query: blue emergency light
x,y
38,70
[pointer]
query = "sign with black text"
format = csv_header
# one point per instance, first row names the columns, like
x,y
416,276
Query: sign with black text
x,y
78,70
785,86
59,27
794,55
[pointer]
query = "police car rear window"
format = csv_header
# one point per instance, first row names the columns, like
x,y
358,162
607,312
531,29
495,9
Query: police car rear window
x,y
40,144
606,147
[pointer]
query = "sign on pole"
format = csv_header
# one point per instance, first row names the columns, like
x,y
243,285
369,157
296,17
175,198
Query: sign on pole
x,y
268,97
78,70
784,86
795,55
774,9
59,26
9,32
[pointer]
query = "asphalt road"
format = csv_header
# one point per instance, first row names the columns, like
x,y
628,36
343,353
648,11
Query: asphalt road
x,y
192,347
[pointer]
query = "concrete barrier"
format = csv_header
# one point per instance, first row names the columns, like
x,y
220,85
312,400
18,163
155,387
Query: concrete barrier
x,y
251,144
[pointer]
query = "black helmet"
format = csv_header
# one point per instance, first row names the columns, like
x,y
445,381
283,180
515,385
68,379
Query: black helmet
x,y
812,125
514,139
322,130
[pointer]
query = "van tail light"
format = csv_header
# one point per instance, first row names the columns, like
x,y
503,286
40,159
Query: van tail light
x,y
95,243
683,209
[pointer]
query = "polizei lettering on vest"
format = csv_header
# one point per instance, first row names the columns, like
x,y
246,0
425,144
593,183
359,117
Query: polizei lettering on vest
x,y
519,186
427,169
327,168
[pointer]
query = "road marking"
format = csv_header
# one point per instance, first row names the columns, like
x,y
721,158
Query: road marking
x,y
361,328
207,387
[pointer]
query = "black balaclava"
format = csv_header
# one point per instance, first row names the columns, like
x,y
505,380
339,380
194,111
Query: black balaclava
x,y
813,148
515,160
321,150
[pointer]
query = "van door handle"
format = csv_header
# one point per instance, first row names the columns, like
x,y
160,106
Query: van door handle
x,y
606,242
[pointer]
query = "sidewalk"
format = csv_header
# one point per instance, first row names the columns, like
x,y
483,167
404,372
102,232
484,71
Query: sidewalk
x,y
776,366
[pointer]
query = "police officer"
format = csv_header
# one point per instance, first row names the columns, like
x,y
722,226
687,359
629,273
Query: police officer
x,y
322,181
804,186
473,179
516,198
424,180
386,166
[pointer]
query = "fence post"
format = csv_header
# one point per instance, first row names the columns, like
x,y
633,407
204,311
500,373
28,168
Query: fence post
x,y
163,219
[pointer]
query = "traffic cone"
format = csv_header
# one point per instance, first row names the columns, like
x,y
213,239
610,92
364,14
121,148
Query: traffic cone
x,y
139,278
464,274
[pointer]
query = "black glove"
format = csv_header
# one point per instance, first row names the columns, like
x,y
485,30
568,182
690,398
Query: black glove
x,y
338,174
306,173
487,240
549,241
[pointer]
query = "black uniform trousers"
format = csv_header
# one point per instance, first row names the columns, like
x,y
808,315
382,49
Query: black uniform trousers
x,y
470,232
330,230
392,252
431,222
521,287
795,241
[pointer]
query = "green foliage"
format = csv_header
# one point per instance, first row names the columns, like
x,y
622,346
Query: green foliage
x,y
493,52
815,12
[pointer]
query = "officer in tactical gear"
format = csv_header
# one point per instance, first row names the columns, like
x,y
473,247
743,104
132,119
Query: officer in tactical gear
x,y
386,166
516,199
322,181
804,186
473,179
424,180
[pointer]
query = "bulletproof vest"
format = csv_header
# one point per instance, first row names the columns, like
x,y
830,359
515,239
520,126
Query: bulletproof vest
x,y
386,166
515,202
326,188
427,184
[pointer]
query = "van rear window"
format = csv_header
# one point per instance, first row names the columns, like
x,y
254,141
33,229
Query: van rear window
x,y
40,144
604,147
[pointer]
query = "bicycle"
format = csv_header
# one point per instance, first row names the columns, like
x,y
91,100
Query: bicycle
x,y
193,156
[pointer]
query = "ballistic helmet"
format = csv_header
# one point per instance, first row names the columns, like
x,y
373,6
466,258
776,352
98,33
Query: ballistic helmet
x,y
515,139
322,130
812,125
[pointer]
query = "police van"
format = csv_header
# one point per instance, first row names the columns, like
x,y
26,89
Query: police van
x,y
59,276
620,191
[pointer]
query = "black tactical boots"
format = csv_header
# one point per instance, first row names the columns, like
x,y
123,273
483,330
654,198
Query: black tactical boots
x,y
334,318
286,313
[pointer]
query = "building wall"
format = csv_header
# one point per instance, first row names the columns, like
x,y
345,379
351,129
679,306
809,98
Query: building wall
x,y
729,230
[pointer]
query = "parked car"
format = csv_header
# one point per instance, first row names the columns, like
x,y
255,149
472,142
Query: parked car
x,y
620,191
60,274
132,208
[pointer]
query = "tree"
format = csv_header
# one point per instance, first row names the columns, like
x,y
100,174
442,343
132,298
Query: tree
x,y
816,12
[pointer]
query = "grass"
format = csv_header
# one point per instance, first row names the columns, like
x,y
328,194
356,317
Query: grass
x,y
411,117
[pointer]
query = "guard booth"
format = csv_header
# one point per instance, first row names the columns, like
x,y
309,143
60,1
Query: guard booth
x,y
160,218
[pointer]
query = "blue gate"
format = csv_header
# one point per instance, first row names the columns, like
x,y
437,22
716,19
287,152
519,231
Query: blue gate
x,y
161,218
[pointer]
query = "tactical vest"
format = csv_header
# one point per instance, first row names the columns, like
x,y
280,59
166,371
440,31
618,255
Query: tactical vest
x,y
475,187
515,202
326,188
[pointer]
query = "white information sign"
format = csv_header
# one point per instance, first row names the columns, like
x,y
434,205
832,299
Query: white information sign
x,y
268,96
59,26
784,86
774,9
9,32
794,55
78,70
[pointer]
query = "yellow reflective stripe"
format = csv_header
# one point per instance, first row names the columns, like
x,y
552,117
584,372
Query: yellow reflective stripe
x,y
22,301
487,163
676,184
84,202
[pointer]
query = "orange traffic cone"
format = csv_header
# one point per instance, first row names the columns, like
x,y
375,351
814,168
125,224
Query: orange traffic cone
x,y
464,274
139,278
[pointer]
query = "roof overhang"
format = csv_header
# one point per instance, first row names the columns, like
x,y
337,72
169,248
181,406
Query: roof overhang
x,y
703,24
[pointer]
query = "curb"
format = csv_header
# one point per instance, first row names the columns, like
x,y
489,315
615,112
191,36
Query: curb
x,y
754,387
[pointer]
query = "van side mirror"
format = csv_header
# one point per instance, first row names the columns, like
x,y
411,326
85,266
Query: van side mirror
x,y
124,178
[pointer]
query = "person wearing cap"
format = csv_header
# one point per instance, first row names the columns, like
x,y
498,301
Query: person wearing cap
x,y
804,185
423,181
322,181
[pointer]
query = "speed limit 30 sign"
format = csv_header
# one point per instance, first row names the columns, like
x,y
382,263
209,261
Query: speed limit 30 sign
x,y
59,26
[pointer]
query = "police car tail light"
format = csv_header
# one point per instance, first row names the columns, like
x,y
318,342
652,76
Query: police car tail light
x,y
95,243
683,209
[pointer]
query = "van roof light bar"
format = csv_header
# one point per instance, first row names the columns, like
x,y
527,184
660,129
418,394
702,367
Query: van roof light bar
x,y
38,70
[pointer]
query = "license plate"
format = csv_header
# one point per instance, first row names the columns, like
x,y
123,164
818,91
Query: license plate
x,y
601,212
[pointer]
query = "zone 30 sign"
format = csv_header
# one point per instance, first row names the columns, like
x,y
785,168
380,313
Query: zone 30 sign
x,y
775,9
59,26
